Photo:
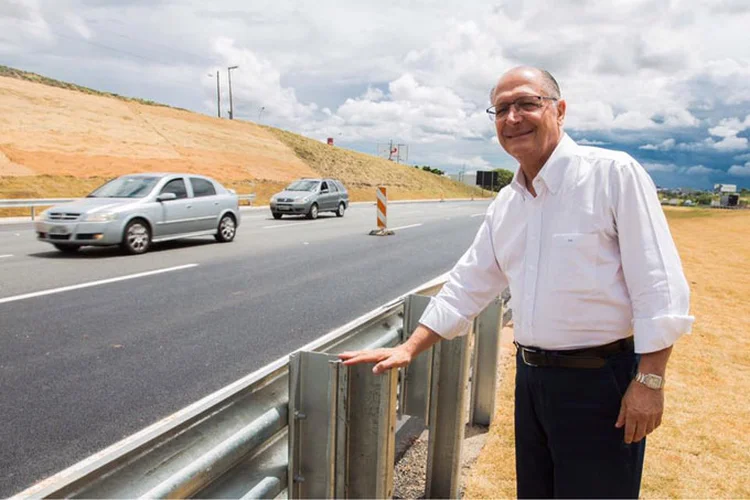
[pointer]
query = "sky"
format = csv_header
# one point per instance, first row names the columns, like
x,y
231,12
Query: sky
x,y
667,81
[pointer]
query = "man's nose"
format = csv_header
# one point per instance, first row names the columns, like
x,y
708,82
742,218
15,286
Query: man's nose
x,y
513,116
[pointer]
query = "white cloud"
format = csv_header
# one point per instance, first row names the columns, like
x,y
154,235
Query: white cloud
x,y
743,157
740,170
665,145
476,162
701,170
731,143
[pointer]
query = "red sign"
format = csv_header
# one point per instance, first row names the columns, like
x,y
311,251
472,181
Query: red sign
x,y
330,141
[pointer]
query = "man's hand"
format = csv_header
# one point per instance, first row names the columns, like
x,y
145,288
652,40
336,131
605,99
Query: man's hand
x,y
640,412
385,358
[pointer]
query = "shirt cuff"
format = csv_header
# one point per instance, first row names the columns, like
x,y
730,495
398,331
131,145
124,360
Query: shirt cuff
x,y
660,332
444,320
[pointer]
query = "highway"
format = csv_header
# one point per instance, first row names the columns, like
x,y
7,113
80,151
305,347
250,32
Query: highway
x,y
97,345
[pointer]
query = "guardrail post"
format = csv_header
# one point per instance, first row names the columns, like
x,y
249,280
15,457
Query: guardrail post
x,y
486,352
447,417
33,212
416,387
342,429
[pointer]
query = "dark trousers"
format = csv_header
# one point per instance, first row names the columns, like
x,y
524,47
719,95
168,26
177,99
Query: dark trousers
x,y
567,445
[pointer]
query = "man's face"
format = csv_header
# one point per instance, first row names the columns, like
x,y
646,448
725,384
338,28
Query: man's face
x,y
528,136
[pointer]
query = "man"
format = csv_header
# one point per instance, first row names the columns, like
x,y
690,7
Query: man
x,y
597,292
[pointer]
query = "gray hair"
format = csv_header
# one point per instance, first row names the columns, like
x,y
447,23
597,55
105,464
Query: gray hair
x,y
551,86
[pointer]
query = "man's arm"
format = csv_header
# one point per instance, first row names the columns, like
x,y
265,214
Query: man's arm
x,y
472,284
658,290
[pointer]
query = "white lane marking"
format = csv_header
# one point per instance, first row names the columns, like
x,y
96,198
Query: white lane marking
x,y
477,215
404,227
287,225
94,283
6,256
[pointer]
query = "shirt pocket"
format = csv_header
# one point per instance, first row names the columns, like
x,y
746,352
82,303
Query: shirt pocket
x,y
574,260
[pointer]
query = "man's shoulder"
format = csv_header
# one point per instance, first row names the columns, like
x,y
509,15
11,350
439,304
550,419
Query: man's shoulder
x,y
605,156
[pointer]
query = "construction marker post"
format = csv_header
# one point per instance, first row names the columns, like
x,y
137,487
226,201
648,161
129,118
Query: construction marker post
x,y
382,211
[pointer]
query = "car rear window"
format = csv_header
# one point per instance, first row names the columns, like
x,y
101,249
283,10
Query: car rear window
x,y
202,187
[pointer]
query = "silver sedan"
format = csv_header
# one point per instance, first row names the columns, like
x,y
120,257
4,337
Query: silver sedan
x,y
134,211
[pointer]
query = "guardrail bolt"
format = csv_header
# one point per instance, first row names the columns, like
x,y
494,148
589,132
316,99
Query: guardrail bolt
x,y
298,415
299,479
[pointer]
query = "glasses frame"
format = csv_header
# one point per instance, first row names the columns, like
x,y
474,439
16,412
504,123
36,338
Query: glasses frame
x,y
494,116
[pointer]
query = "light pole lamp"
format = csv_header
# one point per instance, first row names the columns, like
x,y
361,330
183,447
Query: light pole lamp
x,y
260,113
231,108
218,93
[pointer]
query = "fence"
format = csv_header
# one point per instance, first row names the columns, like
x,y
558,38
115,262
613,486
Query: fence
x,y
35,203
307,424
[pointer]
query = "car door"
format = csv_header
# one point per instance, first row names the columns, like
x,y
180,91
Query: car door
x,y
325,200
206,205
177,215
335,194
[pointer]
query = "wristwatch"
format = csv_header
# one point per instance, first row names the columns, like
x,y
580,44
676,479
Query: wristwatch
x,y
650,380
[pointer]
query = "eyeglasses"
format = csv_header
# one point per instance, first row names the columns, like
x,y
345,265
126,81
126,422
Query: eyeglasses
x,y
524,105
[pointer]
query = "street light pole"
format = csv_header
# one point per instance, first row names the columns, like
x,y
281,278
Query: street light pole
x,y
218,94
231,108
260,113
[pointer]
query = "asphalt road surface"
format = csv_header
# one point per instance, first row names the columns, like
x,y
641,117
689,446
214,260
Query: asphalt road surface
x,y
97,345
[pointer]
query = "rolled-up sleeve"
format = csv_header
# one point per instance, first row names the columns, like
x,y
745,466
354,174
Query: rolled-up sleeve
x,y
658,289
472,284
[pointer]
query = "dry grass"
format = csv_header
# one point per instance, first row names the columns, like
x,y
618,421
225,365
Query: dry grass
x,y
62,140
701,450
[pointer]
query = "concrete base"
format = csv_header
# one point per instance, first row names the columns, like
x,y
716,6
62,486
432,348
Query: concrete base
x,y
381,232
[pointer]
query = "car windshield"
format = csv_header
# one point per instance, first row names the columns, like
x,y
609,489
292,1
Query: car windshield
x,y
126,187
303,186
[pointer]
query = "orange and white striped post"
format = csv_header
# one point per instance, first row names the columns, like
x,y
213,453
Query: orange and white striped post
x,y
382,212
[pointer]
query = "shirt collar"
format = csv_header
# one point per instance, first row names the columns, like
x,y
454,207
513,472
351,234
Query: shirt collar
x,y
552,173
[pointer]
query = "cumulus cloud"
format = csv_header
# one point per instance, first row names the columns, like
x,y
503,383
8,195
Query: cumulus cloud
x,y
665,145
740,170
701,170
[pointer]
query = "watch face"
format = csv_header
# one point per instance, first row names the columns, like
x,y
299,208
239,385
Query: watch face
x,y
653,381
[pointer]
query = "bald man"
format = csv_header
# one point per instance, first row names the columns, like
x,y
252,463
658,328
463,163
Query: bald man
x,y
597,291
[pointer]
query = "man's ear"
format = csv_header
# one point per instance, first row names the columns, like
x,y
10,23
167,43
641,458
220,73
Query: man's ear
x,y
562,106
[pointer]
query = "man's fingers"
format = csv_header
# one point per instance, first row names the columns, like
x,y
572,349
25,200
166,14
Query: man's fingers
x,y
630,427
621,417
353,358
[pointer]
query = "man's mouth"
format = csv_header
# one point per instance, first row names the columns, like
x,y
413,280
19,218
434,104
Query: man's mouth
x,y
514,135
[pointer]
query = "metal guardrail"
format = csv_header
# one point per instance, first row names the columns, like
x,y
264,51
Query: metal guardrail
x,y
305,424
34,203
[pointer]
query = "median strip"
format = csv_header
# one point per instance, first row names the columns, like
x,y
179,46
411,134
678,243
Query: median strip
x,y
93,283
288,225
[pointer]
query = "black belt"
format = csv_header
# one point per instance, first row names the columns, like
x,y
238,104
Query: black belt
x,y
590,357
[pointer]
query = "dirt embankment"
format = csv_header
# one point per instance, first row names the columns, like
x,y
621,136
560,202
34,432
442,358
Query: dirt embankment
x,y
63,140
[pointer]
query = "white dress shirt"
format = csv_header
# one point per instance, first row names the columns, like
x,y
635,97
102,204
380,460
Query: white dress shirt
x,y
589,260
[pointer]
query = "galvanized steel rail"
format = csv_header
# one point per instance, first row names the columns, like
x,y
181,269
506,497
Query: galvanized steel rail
x,y
238,442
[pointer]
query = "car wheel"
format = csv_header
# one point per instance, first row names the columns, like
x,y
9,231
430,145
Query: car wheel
x,y
66,248
277,215
136,238
313,213
227,229
340,211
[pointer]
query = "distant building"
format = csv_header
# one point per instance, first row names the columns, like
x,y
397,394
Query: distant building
x,y
725,188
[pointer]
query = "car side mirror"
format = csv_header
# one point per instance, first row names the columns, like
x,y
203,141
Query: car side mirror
x,y
166,197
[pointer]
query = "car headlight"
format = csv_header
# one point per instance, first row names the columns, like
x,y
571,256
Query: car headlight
x,y
44,215
305,199
101,217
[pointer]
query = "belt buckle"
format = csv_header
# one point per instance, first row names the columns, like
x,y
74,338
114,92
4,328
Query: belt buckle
x,y
523,357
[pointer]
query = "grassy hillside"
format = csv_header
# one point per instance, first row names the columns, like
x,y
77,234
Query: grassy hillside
x,y
61,139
